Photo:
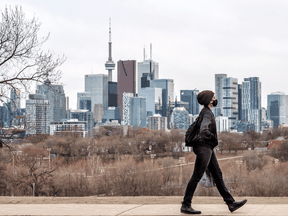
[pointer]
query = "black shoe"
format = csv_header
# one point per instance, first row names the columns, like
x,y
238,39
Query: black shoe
x,y
236,205
189,210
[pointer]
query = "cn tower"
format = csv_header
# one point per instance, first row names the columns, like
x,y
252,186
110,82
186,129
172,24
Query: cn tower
x,y
110,65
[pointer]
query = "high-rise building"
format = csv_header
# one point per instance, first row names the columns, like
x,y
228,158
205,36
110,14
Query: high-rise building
x,y
83,116
67,108
167,86
134,110
190,96
14,108
126,115
110,65
219,93
4,115
157,122
84,101
15,100
56,97
126,81
37,114
222,123
240,102
97,85
251,101
180,118
112,113
152,95
277,108
264,114
180,104
139,113
147,70
112,94
230,101
98,113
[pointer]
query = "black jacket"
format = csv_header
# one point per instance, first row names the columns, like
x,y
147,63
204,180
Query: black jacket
x,y
208,132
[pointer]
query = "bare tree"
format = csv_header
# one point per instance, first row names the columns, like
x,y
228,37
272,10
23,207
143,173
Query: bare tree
x,y
22,59
31,171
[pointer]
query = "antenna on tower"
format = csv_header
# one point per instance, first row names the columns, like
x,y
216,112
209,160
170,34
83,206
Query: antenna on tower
x,y
109,29
110,65
144,52
150,51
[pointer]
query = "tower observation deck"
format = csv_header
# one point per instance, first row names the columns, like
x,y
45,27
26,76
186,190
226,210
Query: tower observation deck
x,y
110,65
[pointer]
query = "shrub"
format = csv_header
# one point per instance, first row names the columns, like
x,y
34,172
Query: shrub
x,y
255,160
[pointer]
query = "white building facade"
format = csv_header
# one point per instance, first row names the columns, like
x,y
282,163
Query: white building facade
x,y
230,101
72,126
157,122
222,123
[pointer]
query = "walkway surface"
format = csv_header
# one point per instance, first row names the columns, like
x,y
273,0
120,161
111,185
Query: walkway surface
x,y
138,209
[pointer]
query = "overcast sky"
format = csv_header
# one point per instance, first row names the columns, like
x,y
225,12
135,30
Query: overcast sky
x,y
191,40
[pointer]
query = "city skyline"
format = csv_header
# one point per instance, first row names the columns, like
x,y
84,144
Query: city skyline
x,y
201,39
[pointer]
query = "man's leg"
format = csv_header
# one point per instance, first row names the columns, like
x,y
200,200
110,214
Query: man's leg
x,y
201,163
216,172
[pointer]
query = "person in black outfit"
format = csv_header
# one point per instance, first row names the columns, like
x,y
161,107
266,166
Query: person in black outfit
x,y
205,156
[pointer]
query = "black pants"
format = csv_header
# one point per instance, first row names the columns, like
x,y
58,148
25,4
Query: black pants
x,y
206,158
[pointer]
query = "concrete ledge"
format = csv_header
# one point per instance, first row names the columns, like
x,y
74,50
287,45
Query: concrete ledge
x,y
133,209
138,200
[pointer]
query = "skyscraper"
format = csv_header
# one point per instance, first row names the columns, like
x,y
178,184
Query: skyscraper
x,y
222,123
110,65
14,108
277,108
67,108
15,100
251,101
180,118
190,96
112,94
147,70
83,115
240,102
84,101
126,115
97,85
126,71
219,93
167,86
157,122
4,115
139,115
134,110
37,114
98,113
230,101
152,95
56,97
112,113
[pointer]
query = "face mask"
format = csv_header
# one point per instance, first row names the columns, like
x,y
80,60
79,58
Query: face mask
x,y
215,102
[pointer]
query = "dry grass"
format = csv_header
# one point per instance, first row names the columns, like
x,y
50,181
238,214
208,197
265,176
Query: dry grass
x,y
256,176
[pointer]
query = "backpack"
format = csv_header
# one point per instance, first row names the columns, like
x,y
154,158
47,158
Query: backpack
x,y
191,136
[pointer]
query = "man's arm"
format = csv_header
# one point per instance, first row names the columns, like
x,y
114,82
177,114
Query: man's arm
x,y
204,131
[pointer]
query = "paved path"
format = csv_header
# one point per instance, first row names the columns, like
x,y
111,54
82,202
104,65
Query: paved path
x,y
136,209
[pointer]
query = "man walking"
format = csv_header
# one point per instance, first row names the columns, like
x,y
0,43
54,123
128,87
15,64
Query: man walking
x,y
205,156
